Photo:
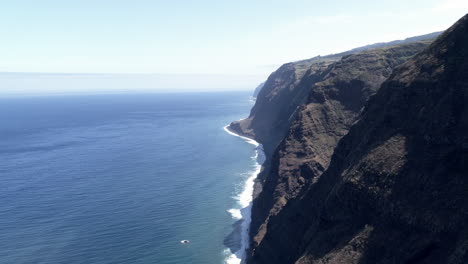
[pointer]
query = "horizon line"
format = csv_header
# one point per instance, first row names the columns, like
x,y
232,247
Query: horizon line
x,y
118,73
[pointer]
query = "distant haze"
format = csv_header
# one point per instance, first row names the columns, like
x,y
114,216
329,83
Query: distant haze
x,y
14,84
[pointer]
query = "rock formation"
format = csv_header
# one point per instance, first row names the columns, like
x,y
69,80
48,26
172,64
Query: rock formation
x,y
387,184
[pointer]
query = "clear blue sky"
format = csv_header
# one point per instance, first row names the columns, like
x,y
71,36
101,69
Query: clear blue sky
x,y
201,37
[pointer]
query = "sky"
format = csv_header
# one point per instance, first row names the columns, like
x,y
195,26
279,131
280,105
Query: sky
x,y
245,40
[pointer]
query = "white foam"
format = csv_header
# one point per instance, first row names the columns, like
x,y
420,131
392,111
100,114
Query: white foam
x,y
231,258
235,213
248,140
245,202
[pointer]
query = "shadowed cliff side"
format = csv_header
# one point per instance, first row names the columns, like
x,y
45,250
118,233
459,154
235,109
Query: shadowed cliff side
x,y
333,102
281,94
258,89
396,188
284,91
278,100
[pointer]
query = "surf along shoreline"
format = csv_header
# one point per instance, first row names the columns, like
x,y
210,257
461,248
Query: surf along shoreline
x,y
245,199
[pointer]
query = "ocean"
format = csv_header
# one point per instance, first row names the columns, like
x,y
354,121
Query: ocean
x,y
124,178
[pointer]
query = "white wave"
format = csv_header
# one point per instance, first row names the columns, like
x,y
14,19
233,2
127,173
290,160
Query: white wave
x,y
248,140
245,202
231,258
235,213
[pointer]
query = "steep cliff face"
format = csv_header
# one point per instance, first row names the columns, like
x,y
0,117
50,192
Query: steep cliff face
x,y
277,101
395,188
332,100
258,89
281,94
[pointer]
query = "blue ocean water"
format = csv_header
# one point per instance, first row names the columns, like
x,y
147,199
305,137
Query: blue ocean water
x,y
120,178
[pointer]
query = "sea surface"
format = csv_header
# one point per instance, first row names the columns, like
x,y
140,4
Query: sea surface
x,y
123,178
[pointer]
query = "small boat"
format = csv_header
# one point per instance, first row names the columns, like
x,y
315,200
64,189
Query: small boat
x,y
184,241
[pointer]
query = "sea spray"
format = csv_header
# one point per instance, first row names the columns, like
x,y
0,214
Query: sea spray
x,y
245,202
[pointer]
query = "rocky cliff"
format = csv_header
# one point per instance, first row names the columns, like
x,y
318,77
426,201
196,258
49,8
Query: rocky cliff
x,y
334,99
281,94
316,100
289,87
385,185
258,89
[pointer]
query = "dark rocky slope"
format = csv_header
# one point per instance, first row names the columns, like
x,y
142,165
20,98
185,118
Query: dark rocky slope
x,y
396,188
333,97
285,90
277,101
258,89
280,95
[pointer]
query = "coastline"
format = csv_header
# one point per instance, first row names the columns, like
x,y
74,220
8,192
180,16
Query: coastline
x,y
241,135
245,199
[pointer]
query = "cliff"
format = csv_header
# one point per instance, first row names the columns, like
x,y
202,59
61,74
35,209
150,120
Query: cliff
x,y
258,89
384,185
277,101
289,87
281,94
316,100
333,101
